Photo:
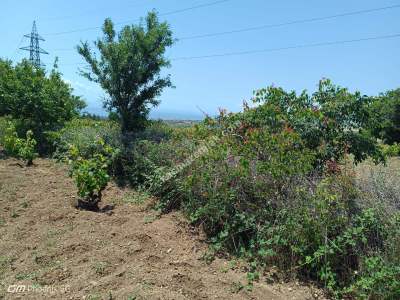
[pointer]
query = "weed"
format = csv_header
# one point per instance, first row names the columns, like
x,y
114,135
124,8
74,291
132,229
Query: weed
x,y
24,204
236,287
5,263
100,268
150,219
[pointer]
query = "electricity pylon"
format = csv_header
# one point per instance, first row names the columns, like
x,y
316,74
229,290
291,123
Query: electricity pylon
x,y
34,48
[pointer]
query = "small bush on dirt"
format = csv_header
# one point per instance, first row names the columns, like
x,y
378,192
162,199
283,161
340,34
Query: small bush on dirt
x,y
90,174
20,148
27,149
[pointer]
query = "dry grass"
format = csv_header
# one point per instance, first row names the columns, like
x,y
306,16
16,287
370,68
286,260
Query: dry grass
x,y
380,184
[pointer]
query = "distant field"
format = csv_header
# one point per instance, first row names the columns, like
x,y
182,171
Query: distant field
x,y
181,123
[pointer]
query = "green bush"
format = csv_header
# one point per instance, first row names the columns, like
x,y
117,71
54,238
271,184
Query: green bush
x,y
10,140
17,147
332,121
27,149
391,150
377,280
271,185
158,146
82,133
90,174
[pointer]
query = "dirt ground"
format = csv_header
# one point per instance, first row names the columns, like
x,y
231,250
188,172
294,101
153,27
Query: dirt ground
x,y
50,250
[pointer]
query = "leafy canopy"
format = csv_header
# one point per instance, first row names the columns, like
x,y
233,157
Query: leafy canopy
x,y
129,68
332,121
385,117
34,100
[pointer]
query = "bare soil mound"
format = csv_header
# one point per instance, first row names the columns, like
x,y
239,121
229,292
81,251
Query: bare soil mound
x,y
50,250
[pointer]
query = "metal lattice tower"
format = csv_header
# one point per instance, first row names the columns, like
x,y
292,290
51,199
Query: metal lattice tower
x,y
34,48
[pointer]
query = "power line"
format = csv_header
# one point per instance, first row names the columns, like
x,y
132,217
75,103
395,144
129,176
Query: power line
x,y
289,23
295,22
248,52
289,47
90,12
19,45
136,20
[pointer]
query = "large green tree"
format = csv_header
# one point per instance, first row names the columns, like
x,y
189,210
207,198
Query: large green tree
x,y
128,68
36,101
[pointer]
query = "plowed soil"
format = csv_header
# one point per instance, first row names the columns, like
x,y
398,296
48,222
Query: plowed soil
x,y
51,250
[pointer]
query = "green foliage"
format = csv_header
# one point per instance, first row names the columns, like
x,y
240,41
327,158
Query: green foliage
x,y
35,101
17,147
82,133
10,140
90,174
377,280
27,148
331,122
271,186
384,120
147,151
129,68
391,150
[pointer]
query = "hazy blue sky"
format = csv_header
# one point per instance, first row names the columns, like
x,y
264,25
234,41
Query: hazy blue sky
x,y
209,83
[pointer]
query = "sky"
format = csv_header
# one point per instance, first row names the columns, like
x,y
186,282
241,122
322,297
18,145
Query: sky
x,y
207,83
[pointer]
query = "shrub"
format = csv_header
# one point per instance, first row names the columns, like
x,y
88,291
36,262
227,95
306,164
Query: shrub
x,y
17,147
272,186
332,121
391,150
90,174
158,146
378,280
4,124
10,140
26,150
82,133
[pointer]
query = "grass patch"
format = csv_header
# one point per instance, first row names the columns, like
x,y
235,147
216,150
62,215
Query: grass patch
x,y
26,276
136,197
